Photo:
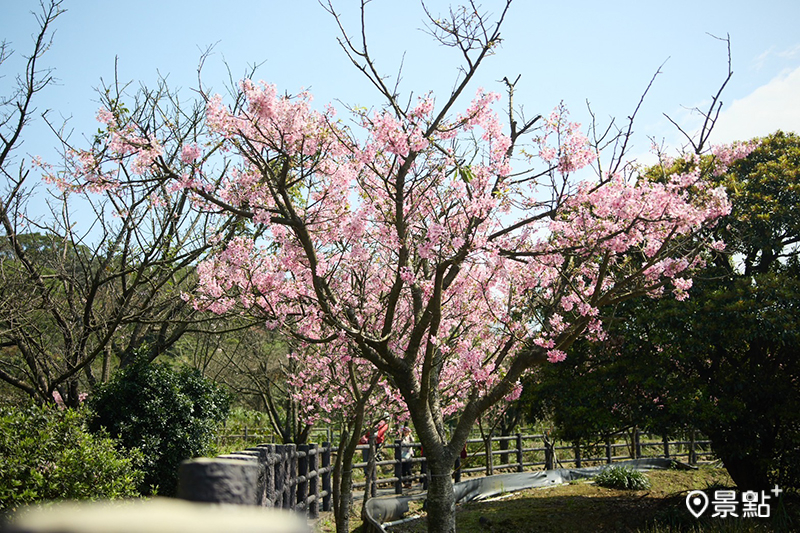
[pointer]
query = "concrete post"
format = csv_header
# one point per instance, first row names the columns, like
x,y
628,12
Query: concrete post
x,y
218,481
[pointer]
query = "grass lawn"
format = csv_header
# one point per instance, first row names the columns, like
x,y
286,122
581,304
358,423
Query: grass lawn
x,y
585,507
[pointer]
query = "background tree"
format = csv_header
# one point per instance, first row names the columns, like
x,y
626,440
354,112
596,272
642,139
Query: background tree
x,y
332,386
254,364
724,361
101,277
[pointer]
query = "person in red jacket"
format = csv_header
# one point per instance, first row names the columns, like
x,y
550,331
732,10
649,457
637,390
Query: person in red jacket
x,y
380,433
380,436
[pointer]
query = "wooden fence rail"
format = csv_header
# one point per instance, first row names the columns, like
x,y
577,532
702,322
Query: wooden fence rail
x,y
298,477
520,452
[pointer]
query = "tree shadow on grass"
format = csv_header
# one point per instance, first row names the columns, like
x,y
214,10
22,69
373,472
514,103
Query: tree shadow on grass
x,y
618,511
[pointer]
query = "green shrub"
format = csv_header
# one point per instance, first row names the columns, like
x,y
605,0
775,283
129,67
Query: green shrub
x,y
169,415
48,454
621,477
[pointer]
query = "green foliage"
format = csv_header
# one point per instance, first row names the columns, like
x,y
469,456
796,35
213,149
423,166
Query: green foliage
x,y
240,418
725,360
169,415
623,478
48,454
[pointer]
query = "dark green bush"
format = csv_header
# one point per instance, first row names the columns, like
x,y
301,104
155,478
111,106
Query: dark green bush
x,y
48,454
170,415
621,477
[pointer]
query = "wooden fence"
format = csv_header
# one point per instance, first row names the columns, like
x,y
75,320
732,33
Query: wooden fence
x,y
287,476
518,453
299,476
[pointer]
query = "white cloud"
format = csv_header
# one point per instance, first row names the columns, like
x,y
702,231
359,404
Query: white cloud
x,y
790,53
771,107
758,62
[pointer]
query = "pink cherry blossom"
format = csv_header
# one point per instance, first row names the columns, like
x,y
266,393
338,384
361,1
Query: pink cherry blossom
x,y
404,248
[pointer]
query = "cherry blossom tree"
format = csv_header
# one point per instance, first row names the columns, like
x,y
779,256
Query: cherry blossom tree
x,y
335,387
423,252
445,252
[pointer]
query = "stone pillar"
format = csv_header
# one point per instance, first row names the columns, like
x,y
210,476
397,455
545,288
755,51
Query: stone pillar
x,y
218,481
269,474
255,456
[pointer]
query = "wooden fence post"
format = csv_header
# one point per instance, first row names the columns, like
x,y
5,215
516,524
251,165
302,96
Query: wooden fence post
x,y
398,466
313,483
289,474
692,451
372,468
326,476
665,440
548,454
577,446
487,444
423,473
288,478
609,451
520,467
637,444
277,466
280,476
302,476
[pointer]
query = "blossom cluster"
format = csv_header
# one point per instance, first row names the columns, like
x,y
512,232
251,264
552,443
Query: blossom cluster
x,y
572,150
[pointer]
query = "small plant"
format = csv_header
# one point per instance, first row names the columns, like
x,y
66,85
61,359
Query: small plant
x,y
621,477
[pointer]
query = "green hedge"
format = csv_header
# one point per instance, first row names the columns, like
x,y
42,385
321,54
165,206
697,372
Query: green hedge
x,y
170,415
48,454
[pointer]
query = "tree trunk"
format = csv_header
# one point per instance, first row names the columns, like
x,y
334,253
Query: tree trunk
x,y
504,453
343,485
441,503
343,467
747,452
507,425
748,472
370,490
343,495
487,448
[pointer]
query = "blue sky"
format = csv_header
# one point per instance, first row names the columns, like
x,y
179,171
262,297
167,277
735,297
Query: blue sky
x,y
571,50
